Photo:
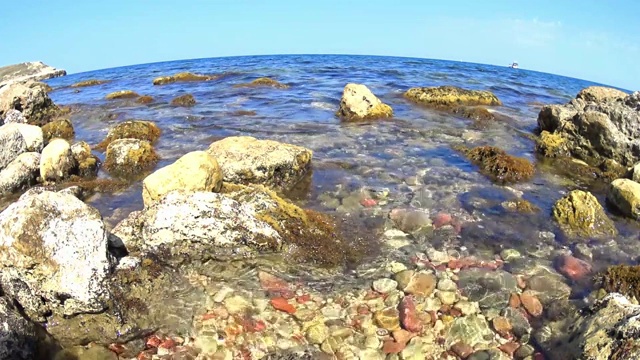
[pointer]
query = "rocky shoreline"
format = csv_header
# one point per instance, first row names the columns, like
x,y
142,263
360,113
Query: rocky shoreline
x,y
74,288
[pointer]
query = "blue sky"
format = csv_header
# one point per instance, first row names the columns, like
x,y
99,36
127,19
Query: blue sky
x,y
592,40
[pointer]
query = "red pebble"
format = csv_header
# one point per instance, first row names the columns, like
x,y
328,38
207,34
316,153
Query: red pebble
x,y
153,341
392,347
574,268
303,298
409,315
273,283
167,344
441,219
282,304
368,202
145,355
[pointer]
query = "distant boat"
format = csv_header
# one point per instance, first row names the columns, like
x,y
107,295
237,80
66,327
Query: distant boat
x,y
514,65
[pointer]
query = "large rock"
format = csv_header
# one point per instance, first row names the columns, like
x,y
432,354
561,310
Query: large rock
x,y
132,129
197,226
633,100
601,94
57,162
21,339
32,135
247,160
32,101
23,72
130,157
359,103
195,171
57,245
88,163
580,215
449,97
61,129
604,127
12,144
21,173
624,194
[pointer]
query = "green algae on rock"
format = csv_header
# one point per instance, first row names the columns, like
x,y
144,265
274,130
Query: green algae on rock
x,y
62,128
182,77
185,100
122,94
132,129
144,100
498,165
264,81
88,163
91,82
551,145
129,158
579,214
624,279
447,97
359,103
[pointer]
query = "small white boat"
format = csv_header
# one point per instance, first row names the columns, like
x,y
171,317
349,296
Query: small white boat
x,y
514,65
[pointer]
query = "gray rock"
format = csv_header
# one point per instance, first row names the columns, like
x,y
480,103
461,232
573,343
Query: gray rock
x,y
32,101
600,94
21,339
624,194
198,225
57,162
23,72
32,135
491,289
15,288
14,116
58,246
472,330
20,173
548,287
12,144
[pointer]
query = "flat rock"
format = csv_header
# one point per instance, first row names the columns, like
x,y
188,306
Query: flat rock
x,y
448,97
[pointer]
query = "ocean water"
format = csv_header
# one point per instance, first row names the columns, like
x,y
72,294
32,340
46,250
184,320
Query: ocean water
x,y
410,156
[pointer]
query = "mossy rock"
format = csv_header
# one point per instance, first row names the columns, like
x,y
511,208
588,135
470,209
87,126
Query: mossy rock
x,y
264,81
184,100
450,97
130,158
580,215
62,129
132,129
145,99
521,206
552,145
624,279
122,94
498,165
474,112
88,164
182,77
91,82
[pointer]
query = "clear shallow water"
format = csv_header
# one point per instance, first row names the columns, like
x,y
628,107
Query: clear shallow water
x,y
411,155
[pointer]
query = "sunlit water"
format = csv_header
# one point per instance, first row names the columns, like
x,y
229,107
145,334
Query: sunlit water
x,y
410,155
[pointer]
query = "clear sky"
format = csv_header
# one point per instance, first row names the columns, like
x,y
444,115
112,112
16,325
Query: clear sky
x,y
596,40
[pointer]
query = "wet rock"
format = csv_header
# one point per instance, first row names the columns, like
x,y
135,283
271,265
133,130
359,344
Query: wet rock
x,y
317,334
20,339
132,129
552,145
88,163
197,226
502,326
122,94
90,82
416,283
624,194
57,162
450,96
58,247
388,319
28,71
593,130
33,102
62,129
574,268
580,215
129,157
247,160
548,287
480,114
182,77
491,289
31,134
531,303
520,205
600,94
185,100
195,171
264,81
14,116
623,279
145,99
21,173
498,165
384,285
518,321
12,144
409,316
410,221
359,103
473,330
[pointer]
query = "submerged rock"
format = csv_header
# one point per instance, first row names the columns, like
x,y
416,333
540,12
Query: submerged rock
x,y
62,129
448,97
195,171
129,157
21,339
182,77
144,99
132,129
122,94
32,101
247,160
580,215
21,173
498,165
491,289
624,194
57,245
359,103
264,81
91,82
57,162
597,125
185,100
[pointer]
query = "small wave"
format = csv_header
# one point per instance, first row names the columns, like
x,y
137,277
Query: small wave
x,y
322,105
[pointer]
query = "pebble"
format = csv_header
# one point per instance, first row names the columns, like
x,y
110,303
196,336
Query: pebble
x,y
510,255
236,304
388,319
447,297
466,307
502,326
437,257
420,284
372,342
447,285
317,334
463,350
531,303
222,294
574,268
384,285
